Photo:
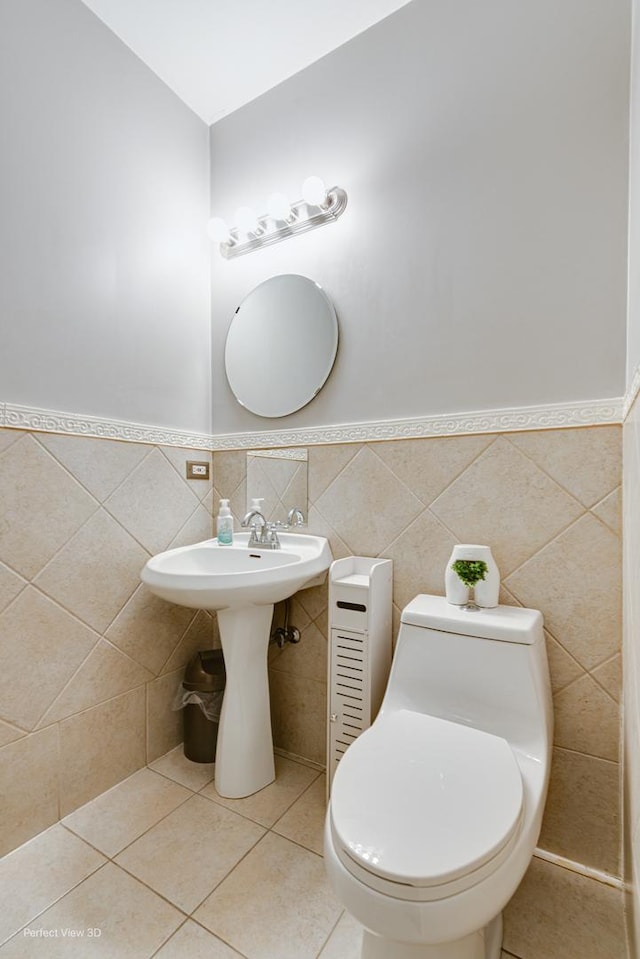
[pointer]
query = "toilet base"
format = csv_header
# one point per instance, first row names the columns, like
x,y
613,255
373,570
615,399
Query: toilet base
x,y
485,944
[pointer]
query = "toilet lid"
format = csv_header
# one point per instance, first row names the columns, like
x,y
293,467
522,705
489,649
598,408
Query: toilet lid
x,y
424,801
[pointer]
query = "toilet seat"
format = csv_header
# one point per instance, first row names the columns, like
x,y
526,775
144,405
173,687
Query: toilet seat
x,y
422,807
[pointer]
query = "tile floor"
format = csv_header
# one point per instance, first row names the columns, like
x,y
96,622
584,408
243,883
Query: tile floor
x,y
162,866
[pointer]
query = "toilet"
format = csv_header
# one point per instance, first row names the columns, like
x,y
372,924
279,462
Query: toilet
x,y
435,810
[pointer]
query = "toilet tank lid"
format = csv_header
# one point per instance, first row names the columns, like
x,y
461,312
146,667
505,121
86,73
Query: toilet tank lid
x,y
511,624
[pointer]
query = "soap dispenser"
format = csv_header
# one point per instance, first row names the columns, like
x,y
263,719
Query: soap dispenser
x,y
225,524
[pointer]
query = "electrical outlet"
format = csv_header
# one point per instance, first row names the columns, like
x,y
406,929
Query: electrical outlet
x,y
197,470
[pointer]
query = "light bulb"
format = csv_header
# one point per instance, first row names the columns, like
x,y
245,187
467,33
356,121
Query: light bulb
x,y
314,192
278,207
246,220
217,230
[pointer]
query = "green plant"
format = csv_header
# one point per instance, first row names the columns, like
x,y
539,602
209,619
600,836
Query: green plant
x,y
470,571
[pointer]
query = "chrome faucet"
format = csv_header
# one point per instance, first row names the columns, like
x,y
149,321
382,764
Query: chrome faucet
x,y
268,538
295,517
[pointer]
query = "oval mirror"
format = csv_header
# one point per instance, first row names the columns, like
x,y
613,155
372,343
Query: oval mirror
x,y
281,345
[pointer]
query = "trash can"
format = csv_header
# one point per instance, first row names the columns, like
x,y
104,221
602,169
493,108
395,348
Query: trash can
x,y
201,698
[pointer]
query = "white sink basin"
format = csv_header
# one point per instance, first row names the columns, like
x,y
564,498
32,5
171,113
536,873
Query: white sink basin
x,y
242,584
208,576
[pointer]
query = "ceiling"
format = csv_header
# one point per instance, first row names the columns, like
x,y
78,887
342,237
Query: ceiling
x,y
217,55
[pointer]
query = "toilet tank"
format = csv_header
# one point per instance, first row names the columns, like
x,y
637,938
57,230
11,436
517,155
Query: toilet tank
x,y
487,669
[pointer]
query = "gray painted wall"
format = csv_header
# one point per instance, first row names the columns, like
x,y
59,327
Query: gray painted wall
x,y
104,264
481,262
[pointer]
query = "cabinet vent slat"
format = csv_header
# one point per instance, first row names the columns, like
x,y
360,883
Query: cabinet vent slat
x,y
349,694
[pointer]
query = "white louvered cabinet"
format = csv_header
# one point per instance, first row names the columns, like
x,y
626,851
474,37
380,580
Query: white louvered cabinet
x,y
359,649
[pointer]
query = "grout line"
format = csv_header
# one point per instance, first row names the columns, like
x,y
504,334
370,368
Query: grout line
x,y
217,800
553,479
186,522
180,640
606,526
147,743
66,469
129,533
355,447
587,871
54,902
331,932
578,752
161,447
93,649
144,458
383,462
343,468
454,536
333,531
472,462
58,771
42,716
228,873
615,489
64,545
169,937
12,569
552,633
578,679
59,602
86,709
23,732
295,842
149,828
602,687
301,760
384,552
226,942
83,838
160,895
306,789
557,535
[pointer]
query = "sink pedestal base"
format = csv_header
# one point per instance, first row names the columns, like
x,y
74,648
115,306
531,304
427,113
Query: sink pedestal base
x,y
244,753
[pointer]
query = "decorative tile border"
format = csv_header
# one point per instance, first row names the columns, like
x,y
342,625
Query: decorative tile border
x,y
75,424
556,416
552,416
632,392
298,453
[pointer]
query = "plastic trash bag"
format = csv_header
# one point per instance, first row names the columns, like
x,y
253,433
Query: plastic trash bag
x,y
209,703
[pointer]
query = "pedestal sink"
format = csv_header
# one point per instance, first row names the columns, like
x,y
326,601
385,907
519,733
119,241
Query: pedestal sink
x,y
242,585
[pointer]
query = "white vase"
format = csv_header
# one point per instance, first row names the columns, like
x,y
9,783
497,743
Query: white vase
x,y
456,592
486,590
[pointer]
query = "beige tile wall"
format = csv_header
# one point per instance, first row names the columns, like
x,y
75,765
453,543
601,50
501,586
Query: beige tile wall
x,y
631,648
548,503
89,659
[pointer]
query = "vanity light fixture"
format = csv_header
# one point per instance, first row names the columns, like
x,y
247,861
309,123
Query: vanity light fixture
x,y
282,219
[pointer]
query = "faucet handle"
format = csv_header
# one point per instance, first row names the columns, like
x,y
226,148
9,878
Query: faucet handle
x,y
270,535
295,517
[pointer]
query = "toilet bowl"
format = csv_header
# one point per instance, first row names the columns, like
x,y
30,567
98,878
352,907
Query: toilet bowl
x,y
435,810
